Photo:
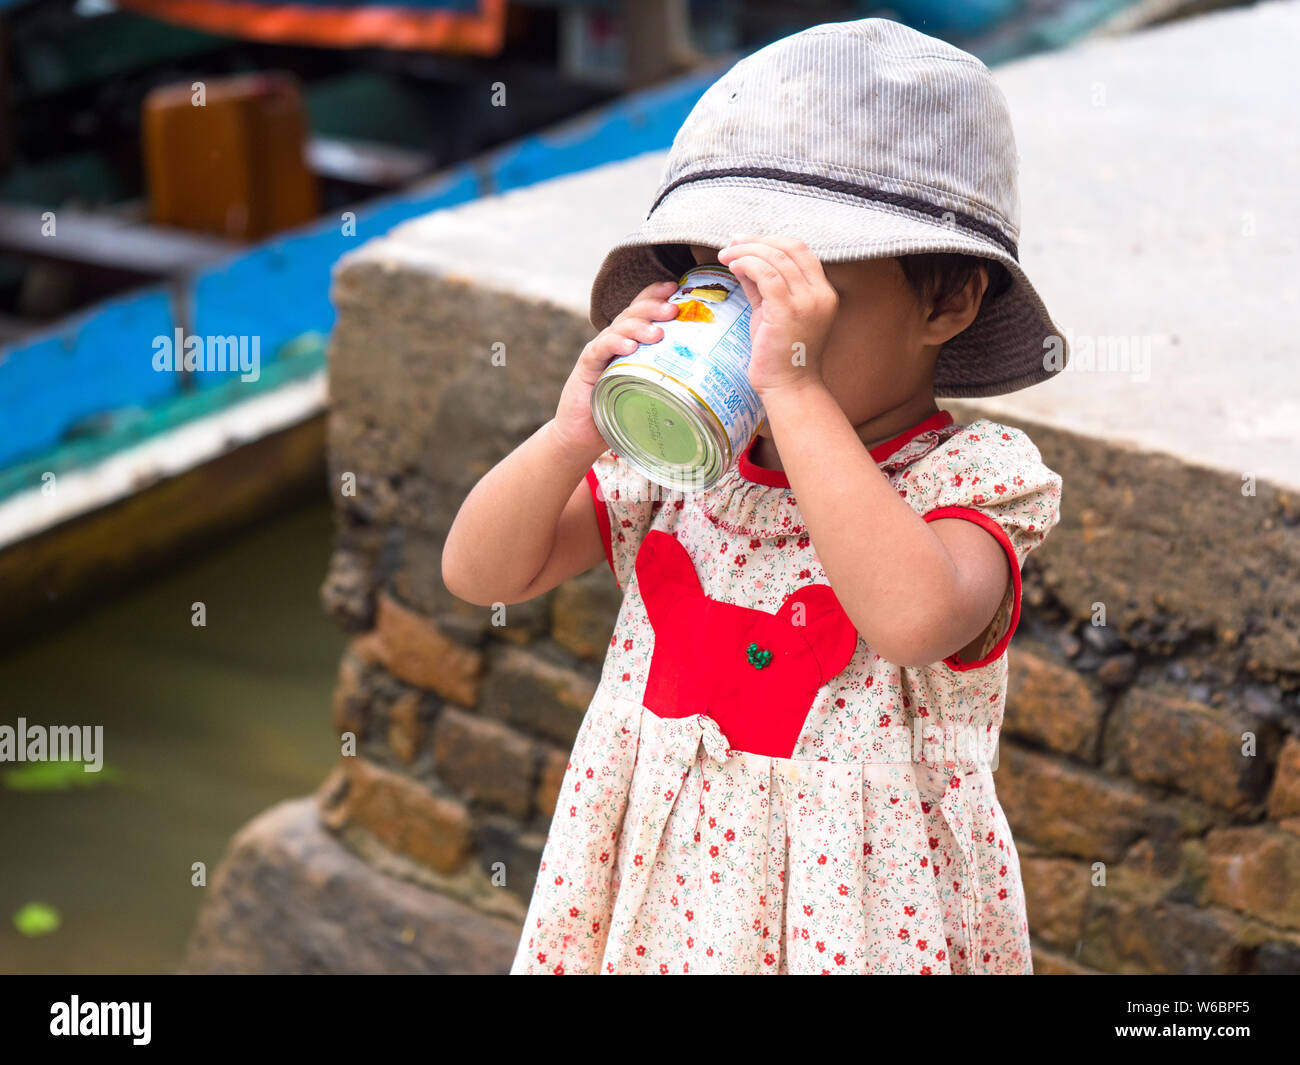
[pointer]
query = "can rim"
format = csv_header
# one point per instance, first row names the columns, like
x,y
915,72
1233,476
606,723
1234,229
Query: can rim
x,y
715,268
709,431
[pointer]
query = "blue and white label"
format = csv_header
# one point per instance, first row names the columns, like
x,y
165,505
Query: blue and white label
x,y
707,349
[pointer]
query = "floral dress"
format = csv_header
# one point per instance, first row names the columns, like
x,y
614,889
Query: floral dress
x,y
753,789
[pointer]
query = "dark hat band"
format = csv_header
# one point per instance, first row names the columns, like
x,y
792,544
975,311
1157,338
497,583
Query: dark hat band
x,y
947,215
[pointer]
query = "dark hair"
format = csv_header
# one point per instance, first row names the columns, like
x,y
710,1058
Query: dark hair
x,y
938,276
675,258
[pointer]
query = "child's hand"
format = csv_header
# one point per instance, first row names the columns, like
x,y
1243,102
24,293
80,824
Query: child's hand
x,y
794,306
573,421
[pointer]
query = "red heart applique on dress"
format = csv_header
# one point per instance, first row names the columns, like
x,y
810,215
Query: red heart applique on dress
x,y
700,663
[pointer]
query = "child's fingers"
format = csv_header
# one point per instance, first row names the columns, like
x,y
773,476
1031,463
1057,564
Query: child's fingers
x,y
656,290
622,338
614,345
808,265
651,302
609,345
775,256
648,310
761,280
750,289
636,329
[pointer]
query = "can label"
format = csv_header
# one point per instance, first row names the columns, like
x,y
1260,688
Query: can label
x,y
705,350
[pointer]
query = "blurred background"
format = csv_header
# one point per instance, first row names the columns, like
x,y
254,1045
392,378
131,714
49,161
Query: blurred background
x,y
182,168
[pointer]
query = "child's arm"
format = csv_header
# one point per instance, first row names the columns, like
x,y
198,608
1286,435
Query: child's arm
x,y
916,591
525,527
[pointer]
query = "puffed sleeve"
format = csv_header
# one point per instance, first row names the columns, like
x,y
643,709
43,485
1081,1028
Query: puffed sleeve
x,y
626,502
993,475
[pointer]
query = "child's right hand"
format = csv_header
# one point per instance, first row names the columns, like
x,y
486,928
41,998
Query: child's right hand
x,y
636,325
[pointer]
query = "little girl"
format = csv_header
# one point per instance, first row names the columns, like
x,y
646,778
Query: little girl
x,y
787,765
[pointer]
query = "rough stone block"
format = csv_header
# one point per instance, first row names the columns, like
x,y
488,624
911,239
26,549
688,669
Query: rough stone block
x,y
525,622
1076,811
554,764
414,649
288,898
406,727
1172,741
1056,893
399,812
1284,798
503,847
1256,870
1051,705
533,693
1049,963
485,762
584,612
347,593
1279,958
1126,936
415,579
349,708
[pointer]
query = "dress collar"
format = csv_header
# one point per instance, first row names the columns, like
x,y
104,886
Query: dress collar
x,y
750,471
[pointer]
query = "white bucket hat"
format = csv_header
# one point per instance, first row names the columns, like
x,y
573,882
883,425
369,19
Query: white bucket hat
x,y
866,140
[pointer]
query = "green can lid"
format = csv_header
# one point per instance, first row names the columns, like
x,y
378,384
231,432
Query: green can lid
x,y
657,428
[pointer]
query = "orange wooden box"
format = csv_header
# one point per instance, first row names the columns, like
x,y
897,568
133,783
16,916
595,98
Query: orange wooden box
x,y
229,157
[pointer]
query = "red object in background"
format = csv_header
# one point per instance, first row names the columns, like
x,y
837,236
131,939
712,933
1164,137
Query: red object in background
x,y
477,28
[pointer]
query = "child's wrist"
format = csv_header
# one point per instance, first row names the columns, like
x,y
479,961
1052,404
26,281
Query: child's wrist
x,y
796,388
569,452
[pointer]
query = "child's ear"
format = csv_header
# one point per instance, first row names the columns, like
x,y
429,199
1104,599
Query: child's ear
x,y
957,312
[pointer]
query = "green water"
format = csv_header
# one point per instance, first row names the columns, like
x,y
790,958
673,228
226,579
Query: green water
x,y
206,726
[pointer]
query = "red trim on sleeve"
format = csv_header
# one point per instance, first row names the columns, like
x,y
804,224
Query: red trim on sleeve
x,y
999,534
602,520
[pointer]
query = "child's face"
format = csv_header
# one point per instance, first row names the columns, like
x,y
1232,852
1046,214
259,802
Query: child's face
x,y
881,349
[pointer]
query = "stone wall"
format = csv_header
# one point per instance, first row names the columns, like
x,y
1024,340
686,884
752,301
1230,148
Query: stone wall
x,y
1149,841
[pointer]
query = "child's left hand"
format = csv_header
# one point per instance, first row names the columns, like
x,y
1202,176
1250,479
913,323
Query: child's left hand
x,y
793,308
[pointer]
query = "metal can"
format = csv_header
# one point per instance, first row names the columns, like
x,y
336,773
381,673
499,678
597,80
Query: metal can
x,y
680,410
